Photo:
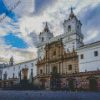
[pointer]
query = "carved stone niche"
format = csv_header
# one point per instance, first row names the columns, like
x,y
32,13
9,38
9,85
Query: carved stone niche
x,y
25,73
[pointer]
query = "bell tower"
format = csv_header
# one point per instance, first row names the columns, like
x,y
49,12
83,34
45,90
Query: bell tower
x,y
72,24
45,35
73,36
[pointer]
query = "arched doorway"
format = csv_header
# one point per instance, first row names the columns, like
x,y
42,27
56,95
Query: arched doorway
x,y
55,79
25,73
92,84
42,81
54,70
71,84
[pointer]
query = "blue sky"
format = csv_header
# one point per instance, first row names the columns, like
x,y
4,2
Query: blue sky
x,y
14,41
10,38
20,28
3,9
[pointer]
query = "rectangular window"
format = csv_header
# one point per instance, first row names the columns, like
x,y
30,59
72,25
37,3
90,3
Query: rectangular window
x,y
82,56
41,72
54,53
32,64
95,53
31,72
14,68
13,75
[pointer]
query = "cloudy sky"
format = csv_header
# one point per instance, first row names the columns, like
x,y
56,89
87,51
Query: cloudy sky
x,y
22,20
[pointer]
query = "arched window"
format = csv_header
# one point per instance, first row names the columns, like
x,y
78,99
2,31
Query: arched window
x,y
41,72
5,76
13,75
69,67
42,39
69,28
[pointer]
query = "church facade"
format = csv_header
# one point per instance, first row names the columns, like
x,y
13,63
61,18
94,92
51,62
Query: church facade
x,y
59,64
63,62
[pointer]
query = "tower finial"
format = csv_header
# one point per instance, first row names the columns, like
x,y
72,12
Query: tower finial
x,y
71,10
11,62
46,24
71,14
46,29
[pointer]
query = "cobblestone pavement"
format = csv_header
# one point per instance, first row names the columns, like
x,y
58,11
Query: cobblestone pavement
x,y
47,95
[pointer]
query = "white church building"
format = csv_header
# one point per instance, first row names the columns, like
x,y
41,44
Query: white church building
x,y
72,38
13,71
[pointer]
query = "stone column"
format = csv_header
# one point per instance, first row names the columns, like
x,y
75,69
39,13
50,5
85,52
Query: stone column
x,y
44,69
57,67
62,68
50,69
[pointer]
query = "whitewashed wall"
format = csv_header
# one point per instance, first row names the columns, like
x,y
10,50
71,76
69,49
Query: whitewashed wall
x,y
18,67
90,62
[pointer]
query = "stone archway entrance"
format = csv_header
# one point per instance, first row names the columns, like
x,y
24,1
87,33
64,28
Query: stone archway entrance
x,y
55,79
54,70
93,84
71,84
25,73
42,81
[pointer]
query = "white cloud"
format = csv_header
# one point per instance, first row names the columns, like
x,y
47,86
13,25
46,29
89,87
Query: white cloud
x,y
91,35
54,14
22,7
6,51
19,54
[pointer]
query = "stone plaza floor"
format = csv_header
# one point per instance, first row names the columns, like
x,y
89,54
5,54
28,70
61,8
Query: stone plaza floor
x,y
48,95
